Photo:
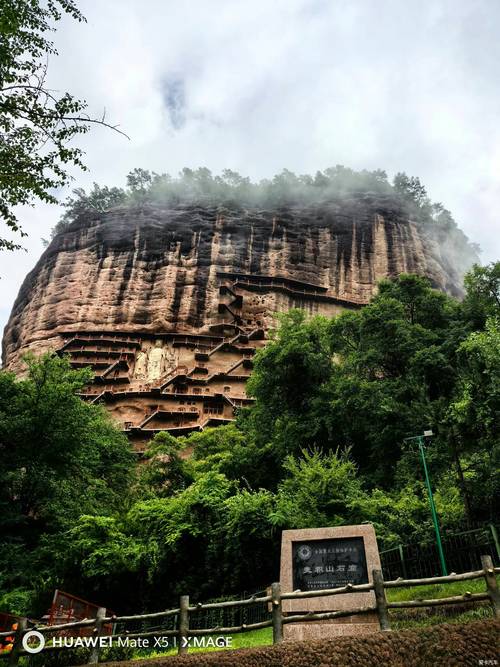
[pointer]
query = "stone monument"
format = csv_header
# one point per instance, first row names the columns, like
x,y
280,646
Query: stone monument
x,y
322,558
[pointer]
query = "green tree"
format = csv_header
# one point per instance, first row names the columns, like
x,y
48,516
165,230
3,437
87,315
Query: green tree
x,y
286,383
177,532
363,380
474,416
246,542
226,449
164,471
98,200
318,490
482,298
96,558
410,188
61,457
37,125
139,182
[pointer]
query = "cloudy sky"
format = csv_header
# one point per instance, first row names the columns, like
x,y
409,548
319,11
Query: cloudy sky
x,y
258,85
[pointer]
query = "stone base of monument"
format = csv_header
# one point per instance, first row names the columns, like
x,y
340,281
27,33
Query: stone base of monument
x,y
313,559
350,625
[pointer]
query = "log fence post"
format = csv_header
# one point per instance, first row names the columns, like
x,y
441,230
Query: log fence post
x,y
491,584
183,624
277,613
381,600
18,641
95,650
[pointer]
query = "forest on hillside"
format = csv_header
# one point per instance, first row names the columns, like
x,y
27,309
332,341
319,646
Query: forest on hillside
x,y
323,445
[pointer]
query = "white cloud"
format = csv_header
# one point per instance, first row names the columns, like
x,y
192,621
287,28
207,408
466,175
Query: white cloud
x,y
302,84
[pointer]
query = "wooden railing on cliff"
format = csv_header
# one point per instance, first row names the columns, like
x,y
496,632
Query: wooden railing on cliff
x,y
278,619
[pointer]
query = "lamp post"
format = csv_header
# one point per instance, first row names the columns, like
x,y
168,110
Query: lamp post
x,y
420,441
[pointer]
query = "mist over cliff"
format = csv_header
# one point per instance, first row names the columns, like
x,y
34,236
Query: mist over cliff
x,y
130,261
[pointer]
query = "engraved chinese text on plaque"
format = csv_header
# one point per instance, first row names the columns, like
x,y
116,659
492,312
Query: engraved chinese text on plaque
x,y
330,563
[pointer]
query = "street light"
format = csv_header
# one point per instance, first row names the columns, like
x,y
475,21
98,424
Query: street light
x,y
420,440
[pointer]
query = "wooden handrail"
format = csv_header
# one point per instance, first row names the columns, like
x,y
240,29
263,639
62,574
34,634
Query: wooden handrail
x,y
278,620
311,616
230,603
455,599
476,574
349,588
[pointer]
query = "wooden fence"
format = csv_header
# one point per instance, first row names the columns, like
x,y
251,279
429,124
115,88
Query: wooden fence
x,y
182,632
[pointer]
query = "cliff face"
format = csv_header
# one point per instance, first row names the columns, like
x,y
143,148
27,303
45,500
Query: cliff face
x,y
152,275
157,269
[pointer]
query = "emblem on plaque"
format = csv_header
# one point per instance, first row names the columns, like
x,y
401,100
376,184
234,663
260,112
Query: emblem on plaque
x,y
304,552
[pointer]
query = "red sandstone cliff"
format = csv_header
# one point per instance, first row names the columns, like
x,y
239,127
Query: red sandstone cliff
x,y
168,305
157,269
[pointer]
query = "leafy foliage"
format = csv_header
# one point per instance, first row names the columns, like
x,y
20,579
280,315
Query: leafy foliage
x,y
324,444
61,457
164,471
37,125
475,412
483,293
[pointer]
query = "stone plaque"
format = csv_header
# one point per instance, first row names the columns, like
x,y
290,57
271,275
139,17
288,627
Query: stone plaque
x,y
320,564
314,559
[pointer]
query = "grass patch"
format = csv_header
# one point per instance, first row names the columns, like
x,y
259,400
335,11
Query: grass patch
x,y
250,639
408,619
477,614
436,590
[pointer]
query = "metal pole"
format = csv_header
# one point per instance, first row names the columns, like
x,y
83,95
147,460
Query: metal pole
x,y
444,571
